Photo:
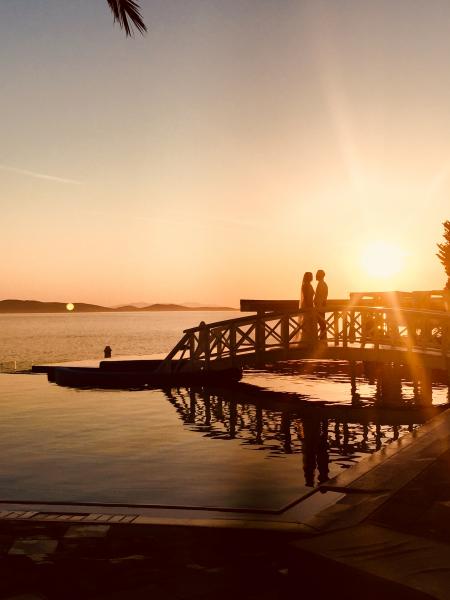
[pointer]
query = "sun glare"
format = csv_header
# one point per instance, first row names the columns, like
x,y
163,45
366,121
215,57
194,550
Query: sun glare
x,y
382,259
70,306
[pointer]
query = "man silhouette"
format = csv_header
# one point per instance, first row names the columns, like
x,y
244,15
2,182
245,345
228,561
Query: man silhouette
x,y
320,302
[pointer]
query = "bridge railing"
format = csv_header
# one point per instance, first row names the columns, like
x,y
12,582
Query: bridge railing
x,y
346,326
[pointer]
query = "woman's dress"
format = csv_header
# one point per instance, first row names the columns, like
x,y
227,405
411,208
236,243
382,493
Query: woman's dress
x,y
307,320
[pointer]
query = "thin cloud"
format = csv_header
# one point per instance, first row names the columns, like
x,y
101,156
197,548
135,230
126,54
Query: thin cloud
x,y
39,175
180,218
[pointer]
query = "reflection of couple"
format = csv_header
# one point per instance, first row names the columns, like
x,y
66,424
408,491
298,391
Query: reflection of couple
x,y
310,300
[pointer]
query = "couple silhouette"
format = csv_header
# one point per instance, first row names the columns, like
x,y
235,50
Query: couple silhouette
x,y
310,300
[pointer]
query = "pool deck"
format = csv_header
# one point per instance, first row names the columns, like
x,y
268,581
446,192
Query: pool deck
x,y
383,528
390,533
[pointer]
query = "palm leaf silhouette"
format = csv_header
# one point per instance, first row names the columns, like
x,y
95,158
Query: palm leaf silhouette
x,y
127,13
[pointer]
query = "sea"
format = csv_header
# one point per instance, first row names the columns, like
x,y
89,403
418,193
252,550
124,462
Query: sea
x,y
261,445
27,339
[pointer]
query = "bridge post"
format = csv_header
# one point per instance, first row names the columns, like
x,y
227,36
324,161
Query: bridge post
x,y
352,328
364,328
285,334
377,330
260,342
207,347
336,328
219,345
344,328
232,341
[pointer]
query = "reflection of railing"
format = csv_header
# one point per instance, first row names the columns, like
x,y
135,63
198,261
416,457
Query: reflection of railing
x,y
283,336
322,434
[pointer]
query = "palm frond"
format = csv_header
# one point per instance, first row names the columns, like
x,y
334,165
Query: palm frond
x,y
127,13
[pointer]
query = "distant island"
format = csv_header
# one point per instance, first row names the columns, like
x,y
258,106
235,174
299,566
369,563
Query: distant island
x,y
34,306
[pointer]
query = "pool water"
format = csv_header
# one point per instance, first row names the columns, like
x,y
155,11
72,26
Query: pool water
x,y
259,445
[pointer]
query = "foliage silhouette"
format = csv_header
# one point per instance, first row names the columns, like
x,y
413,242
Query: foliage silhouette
x,y
127,14
444,252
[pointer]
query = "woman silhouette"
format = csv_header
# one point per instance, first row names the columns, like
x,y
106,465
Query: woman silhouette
x,y
307,320
307,292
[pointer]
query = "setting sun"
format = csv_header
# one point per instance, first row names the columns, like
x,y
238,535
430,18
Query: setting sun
x,y
70,306
382,259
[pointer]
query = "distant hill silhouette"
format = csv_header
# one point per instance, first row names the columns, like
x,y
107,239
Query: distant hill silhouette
x,y
182,307
35,306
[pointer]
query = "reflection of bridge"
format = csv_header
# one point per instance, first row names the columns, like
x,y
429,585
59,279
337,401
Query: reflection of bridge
x,y
284,423
279,331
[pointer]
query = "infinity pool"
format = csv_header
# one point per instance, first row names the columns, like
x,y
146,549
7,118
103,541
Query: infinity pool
x,y
230,449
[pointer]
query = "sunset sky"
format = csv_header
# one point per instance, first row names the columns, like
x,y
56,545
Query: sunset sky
x,y
235,146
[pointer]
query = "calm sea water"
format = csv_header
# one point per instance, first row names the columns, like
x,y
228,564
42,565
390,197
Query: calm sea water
x,y
32,338
202,447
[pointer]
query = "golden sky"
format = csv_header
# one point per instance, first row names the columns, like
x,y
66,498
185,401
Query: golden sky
x,y
235,146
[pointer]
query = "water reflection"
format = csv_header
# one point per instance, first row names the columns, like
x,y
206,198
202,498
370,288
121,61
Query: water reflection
x,y
328,436
313,433
318,379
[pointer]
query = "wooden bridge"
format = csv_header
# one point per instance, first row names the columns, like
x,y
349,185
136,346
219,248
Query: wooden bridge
x,y
279,331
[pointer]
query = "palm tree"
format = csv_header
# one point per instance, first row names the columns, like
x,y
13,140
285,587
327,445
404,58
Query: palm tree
x,y
127,13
